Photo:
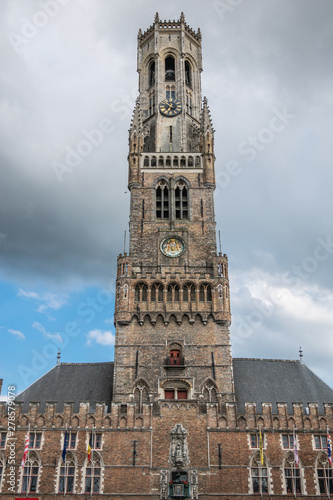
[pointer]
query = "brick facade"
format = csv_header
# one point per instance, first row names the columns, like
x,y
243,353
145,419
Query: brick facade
x,y
174,414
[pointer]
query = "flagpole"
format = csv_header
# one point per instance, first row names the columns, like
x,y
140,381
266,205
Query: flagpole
x,y
29,468
92,461
66,472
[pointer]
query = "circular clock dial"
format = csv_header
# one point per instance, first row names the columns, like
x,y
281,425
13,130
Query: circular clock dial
x,y
170,107
173,246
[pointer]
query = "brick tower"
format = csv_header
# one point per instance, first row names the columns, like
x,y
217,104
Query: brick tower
x,y
172,312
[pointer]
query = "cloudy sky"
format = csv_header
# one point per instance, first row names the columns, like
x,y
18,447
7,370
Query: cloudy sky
x,y
67,66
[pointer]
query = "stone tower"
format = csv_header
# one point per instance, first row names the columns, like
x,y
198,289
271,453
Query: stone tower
x,y
172,312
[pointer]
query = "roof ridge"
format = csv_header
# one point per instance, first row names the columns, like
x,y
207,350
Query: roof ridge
x,y
268,359
93,363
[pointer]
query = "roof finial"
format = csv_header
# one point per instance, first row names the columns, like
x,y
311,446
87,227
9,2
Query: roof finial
x,y
58,357
182,17
157,18
300,354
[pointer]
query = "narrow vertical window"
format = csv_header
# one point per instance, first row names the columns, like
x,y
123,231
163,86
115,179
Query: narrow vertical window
x,y
188,75
151,73
162,201
181,202
169,69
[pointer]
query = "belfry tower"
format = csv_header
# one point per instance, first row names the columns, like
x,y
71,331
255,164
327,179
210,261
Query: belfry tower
x,y
172,312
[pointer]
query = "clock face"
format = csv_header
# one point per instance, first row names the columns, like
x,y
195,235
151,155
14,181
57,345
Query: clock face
x,y
170,107
173,246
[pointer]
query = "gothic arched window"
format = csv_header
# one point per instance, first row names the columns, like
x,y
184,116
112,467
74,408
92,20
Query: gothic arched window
x,y
173,293
151,74
162,200
189,293
157,292
209,392
141,395
93,474
67,475
292,475
181,200
324,475
30,474
169,69
188,74
141,292
259,475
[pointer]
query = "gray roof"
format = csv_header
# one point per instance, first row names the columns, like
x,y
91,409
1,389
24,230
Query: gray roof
x,y
71,382
278,381
256,380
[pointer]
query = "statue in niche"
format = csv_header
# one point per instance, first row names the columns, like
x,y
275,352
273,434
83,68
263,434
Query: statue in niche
x,y
178,456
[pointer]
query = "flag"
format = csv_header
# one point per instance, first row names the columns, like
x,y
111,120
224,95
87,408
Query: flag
x,y
64,450
260,448
89,446
295,450
26,448
329,449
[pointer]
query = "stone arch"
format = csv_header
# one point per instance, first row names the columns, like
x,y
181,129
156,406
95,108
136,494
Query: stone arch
x,y
185,318
24,421
58,421
209,391
139,422
260,422
75,422
90,421
123,422
276,423
223,423
241,423
40,421
147,319
181,178
290,423
107,422
198,317
322,424
307,423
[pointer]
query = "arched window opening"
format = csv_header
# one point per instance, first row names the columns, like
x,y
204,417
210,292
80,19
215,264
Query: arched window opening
x,y
153,161
146,161
190,161
158,289
173,293
209,293
220,291
67,475
152,103
181,201
151,73
162,201
30,474
175,161
141,292
209,392
188,74
93,475
141,395
161,161
125,291
169,69
324,475
202,294
259,476
292,475
183,161
168,161
197,161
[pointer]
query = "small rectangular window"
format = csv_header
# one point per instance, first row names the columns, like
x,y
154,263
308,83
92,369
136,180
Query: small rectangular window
x,y
72,441
98,441
169,394
182,394
3,439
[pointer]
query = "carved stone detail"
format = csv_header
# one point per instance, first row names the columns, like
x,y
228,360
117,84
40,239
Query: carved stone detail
x,y
178,456
164,485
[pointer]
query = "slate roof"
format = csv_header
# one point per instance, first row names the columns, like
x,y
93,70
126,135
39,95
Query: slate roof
x,y
71,382
278,381
256,380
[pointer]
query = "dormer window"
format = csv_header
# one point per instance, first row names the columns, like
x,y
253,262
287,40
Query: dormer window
x,y
169,69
